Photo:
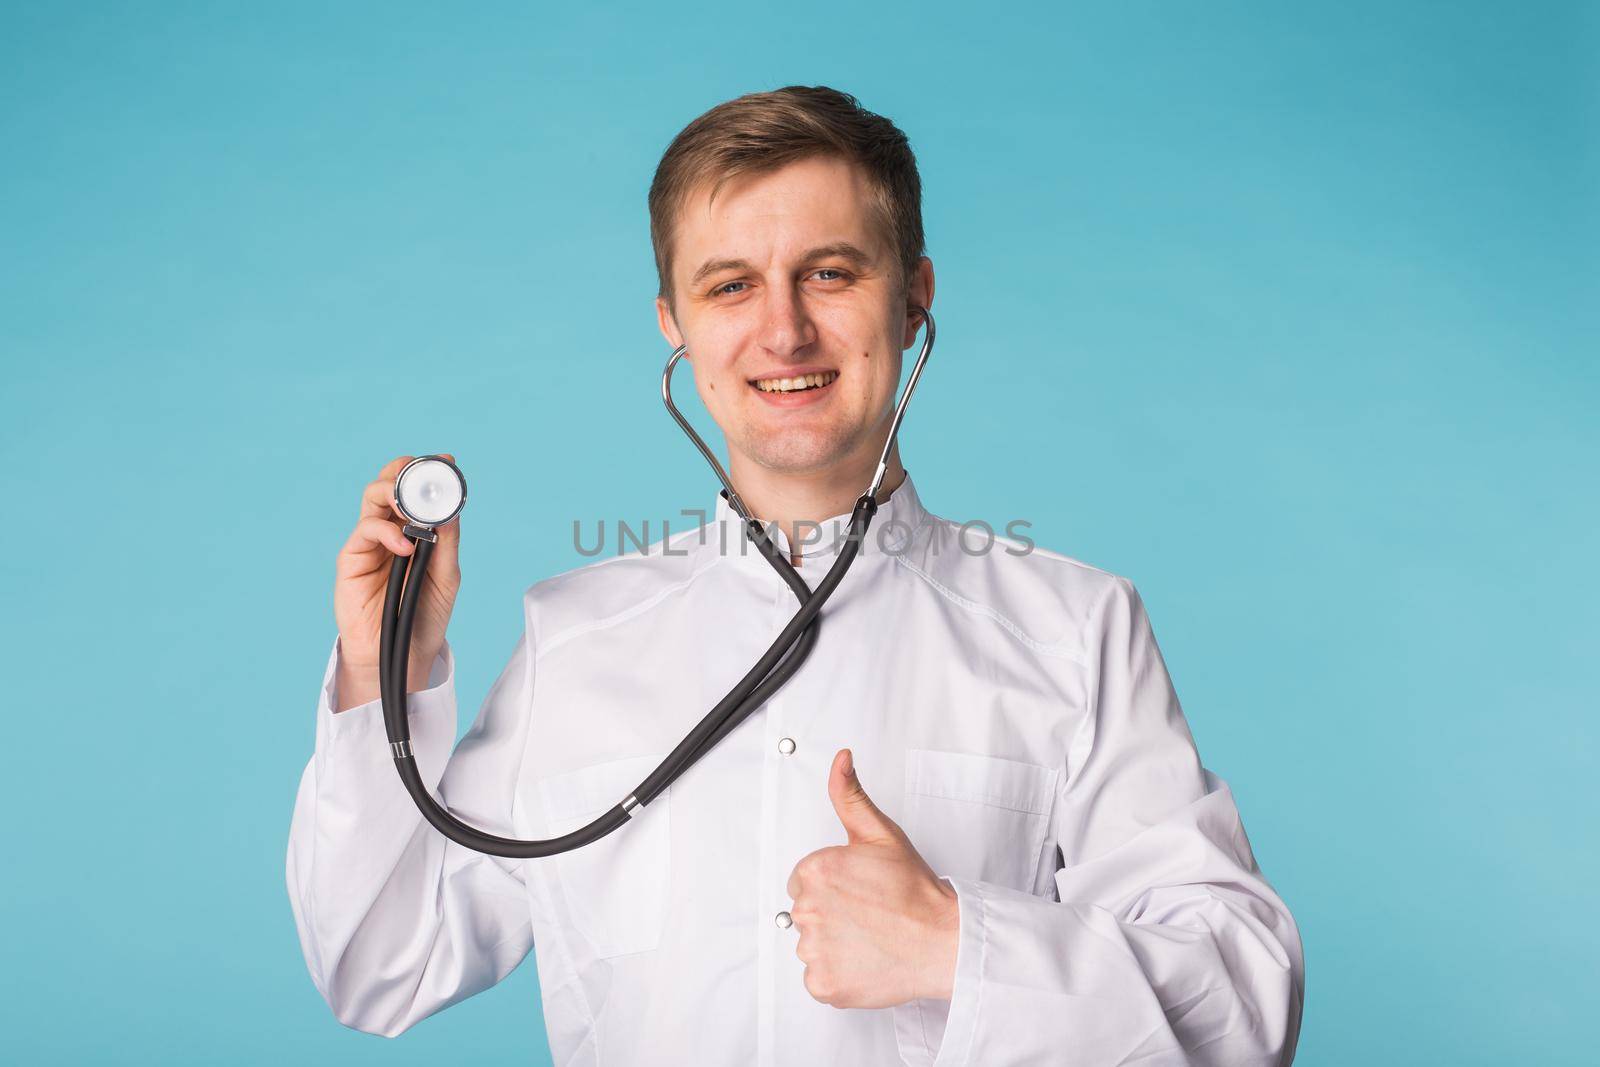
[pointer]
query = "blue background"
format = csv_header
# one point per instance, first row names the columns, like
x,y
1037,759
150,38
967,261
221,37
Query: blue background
x,y
1287,316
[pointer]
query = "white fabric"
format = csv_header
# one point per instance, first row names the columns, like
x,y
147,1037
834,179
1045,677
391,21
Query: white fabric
x,y
1002,707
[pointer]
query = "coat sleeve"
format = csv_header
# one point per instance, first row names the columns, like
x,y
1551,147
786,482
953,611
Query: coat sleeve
x,y
1165,944
395,921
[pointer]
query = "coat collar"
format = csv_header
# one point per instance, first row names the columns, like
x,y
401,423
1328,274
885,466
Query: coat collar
x,y
892,528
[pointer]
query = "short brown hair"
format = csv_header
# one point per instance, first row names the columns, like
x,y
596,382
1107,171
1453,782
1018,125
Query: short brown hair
x,y
761,132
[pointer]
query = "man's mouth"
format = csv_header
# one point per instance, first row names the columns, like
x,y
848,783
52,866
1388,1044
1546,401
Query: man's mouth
x,y
797,384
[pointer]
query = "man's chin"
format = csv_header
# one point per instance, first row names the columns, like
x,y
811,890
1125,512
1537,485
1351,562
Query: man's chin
x,y
800,454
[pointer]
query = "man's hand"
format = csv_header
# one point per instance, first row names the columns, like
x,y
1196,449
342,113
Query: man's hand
x,y
877,926
361,578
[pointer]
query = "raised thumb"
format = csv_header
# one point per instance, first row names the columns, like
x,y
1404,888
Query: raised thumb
x,y
860,817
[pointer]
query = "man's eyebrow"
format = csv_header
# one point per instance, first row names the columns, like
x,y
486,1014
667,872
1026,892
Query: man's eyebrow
x,y
716,266
837,250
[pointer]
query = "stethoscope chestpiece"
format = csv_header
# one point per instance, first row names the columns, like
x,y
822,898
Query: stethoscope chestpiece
x,y
429,492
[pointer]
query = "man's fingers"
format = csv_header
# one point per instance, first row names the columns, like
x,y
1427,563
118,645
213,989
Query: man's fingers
x,y
392,469
449,533
377,499
793,886
377,496
372,533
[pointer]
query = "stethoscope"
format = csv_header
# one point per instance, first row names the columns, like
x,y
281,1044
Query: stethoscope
x,y
430,491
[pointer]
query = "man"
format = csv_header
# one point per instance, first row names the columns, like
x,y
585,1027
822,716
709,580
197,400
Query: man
x,y
972,829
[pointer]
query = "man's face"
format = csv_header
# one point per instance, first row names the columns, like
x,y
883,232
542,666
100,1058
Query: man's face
x,y
785,276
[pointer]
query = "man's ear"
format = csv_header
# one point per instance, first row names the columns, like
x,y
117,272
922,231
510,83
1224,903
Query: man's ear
x,y
920,293
667,323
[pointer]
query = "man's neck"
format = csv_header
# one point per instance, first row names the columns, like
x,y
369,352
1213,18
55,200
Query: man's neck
x,y
798,502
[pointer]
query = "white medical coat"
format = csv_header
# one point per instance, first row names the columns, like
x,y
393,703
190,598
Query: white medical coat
x,y
1009,709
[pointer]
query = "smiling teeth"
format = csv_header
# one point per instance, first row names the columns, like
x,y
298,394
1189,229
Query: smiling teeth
x,y
790,385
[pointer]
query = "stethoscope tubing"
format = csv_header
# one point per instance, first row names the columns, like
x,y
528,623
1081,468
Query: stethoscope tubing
x,y
787,652
764,678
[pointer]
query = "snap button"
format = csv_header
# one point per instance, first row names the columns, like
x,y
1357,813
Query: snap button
x,y
784,920
786,746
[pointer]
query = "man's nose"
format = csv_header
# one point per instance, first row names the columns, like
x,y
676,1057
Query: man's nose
x,y
786,327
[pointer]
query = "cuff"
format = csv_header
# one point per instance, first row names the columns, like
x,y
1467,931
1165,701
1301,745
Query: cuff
x,y
938,1033
365,719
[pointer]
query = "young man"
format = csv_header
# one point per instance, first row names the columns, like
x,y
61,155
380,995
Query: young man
x,y
972,829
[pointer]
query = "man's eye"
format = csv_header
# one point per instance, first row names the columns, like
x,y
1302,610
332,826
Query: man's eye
x,y
722,289
830,270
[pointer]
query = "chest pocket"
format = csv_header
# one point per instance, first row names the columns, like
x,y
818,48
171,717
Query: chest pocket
x,y
978,817
616,888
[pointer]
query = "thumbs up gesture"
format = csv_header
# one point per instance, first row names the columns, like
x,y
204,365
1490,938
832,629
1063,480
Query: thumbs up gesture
x,y
877,927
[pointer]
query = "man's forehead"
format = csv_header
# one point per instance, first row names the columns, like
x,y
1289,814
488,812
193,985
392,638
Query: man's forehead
x,y
803,206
